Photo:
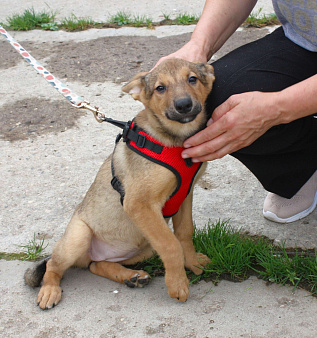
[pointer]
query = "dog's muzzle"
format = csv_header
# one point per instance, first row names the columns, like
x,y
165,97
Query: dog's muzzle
x,y
183,105
184,110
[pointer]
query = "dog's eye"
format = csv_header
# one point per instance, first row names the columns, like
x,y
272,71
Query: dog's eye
x,y
192,79
160,89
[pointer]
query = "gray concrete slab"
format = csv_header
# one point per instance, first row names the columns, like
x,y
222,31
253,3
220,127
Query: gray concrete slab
x,y
102,10
42,178
95,307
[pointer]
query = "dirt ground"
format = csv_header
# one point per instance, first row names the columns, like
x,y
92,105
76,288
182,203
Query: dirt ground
x,y
115,59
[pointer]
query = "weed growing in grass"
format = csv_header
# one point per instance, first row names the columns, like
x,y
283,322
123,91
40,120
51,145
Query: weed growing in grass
x,y
280,267
51,26
141,21
255,19
29,20
33,250
186,19
73,23
121,19
125,19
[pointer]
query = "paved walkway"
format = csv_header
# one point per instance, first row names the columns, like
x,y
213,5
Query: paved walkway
x,y
101,10
43,177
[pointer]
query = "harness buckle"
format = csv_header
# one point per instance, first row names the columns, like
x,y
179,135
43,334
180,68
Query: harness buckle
x,y
140,141
125,131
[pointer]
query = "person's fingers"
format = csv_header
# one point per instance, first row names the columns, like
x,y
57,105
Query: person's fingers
x,y
209,133
211,146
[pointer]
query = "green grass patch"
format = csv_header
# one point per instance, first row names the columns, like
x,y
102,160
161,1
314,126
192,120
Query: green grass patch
x,y
30,252
142,21
231,253
125,19
33,250
46,21
121,19
277,265
29,19
235,256
51,26
186,19
259,20
16,256
73,23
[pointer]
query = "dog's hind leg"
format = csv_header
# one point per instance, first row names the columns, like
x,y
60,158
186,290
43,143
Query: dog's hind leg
x,y
70,249
119,273
183,229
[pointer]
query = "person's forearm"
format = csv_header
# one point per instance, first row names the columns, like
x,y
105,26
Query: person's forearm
x,y
219,20
297,101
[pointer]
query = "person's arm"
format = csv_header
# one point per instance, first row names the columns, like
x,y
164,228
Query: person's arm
x,y
219,20
243,118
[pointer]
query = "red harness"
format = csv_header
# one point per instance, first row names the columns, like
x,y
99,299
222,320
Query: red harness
x,y
170,158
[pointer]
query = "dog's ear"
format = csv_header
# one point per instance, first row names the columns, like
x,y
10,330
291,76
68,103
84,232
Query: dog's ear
x,y
207,71
135,86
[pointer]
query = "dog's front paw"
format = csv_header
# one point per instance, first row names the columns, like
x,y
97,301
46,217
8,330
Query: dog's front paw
x,y
140,279
49,296
197,263
178,286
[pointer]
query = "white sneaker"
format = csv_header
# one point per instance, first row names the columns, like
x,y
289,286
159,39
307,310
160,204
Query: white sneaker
x,y
283,210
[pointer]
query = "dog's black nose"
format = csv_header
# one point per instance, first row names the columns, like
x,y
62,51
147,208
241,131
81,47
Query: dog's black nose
x,y
183,105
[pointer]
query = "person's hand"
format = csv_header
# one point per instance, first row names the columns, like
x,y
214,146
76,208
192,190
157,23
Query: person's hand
x,y
235,124
191,52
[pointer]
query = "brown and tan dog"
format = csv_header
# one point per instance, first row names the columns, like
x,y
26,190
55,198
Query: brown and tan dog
x,y
105,235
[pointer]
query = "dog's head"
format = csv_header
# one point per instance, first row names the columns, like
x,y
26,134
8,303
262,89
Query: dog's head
x,y
174,93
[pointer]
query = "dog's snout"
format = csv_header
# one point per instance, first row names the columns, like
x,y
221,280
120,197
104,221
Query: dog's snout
x,y
183,105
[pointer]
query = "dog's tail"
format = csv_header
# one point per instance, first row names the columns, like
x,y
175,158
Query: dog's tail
x,y
33,276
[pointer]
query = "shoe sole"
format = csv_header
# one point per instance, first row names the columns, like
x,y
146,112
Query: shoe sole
x,y
272,217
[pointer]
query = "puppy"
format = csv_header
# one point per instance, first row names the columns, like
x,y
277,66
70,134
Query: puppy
x,y
123,217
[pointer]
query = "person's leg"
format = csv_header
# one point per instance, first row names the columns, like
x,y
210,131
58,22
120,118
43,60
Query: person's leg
x,y
285,157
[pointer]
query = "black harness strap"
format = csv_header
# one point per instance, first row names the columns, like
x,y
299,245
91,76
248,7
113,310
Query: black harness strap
x,y
140,140
132,134
116,184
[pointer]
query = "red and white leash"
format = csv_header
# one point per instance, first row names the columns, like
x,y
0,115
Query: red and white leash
x,y
74,99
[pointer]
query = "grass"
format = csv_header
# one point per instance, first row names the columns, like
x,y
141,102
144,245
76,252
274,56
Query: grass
x,y
73,23
29,19
33,250
186,19
256,19
230,252
125,19
236,256
121,19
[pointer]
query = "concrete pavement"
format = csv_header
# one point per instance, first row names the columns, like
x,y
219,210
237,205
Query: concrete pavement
x,y
44,173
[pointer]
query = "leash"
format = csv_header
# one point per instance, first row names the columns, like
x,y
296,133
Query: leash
x,y
75,100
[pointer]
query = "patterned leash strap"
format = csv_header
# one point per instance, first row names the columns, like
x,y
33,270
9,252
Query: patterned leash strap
x,y
74,99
